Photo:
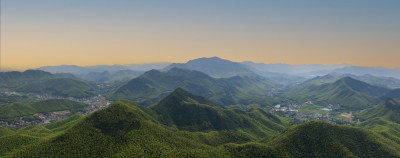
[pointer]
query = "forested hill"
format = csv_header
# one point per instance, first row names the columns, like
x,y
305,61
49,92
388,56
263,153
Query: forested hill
x,y
194,113
173,129
348,92
44,83
154,85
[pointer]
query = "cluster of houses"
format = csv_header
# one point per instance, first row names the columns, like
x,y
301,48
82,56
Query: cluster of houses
x,y
95,103
291,110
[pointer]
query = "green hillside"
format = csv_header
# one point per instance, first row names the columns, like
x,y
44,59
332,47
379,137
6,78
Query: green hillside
x,y
186,125
109,77
5,131
10,111
320,139
64,124
388,82
395,93
127,130
384,127
14,79
194,113
65,87
349,93
122,130
154,85
8,99
383,119
16,110
319,80
40,82
58,105
389,110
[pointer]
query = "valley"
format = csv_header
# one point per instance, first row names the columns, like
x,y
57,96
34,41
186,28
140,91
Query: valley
x,y
91,104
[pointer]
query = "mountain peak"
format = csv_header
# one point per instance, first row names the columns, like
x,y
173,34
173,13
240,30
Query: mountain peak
x,y
347,79
351,82
179,95
210,59
152,72
118,119
215,67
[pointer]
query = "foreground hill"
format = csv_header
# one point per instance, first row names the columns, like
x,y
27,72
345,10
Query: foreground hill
x,y
154,85
348,92
125,129
320,139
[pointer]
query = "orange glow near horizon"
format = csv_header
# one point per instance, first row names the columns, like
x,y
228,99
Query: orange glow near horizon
x,y
86,33
27,51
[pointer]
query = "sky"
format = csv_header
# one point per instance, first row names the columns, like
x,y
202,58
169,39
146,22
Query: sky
x,y
106,32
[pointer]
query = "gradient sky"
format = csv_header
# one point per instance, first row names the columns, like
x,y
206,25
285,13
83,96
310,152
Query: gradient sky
x,y
103,32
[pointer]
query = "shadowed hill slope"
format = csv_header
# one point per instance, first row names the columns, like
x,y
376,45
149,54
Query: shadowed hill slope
x,y
194,113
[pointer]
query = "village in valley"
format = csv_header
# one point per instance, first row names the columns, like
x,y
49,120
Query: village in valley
x,y
307,111
95,103
297,112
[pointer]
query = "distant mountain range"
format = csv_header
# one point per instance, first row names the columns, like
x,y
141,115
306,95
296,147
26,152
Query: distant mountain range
x,y
222,68
375,71
64,87
110,77
301,70
79,70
